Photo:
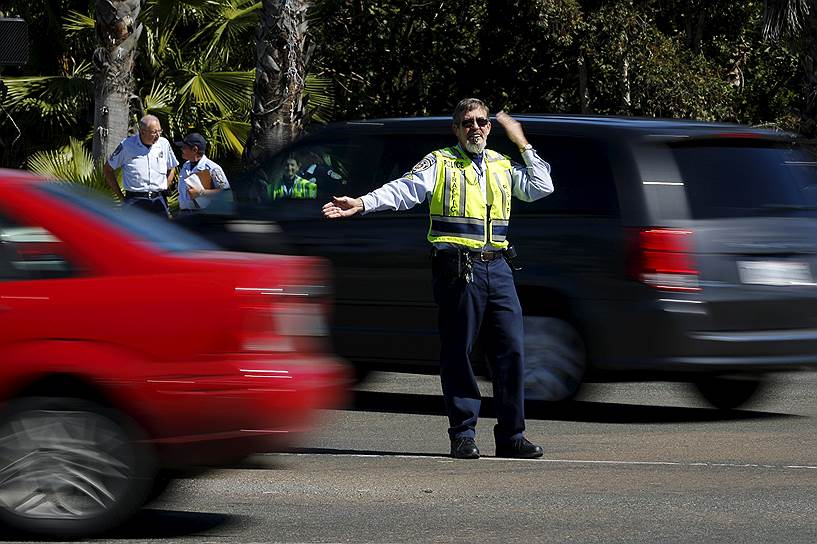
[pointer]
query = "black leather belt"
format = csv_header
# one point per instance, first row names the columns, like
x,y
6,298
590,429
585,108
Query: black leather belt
x,y
145,194
481,256
485,256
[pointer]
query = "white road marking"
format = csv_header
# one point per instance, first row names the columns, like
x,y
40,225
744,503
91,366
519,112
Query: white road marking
x,y
564,461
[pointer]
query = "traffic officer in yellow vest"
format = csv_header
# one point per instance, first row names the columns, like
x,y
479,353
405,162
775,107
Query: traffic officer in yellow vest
x,y
292,185
469,190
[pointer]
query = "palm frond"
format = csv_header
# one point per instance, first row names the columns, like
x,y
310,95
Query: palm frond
x,y
160,98
233,20
159,46
77,84
72,163
77,23
227,91
320,95
784,17
229,134
172,11
57,102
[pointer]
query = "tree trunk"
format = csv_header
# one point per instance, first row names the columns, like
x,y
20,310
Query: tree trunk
x,y
584,94
808,118
624,84
118,33
278,113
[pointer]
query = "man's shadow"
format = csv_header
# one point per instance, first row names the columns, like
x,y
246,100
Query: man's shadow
x,y
573,410
148,523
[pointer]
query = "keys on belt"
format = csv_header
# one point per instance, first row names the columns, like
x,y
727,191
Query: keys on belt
x,y
461,261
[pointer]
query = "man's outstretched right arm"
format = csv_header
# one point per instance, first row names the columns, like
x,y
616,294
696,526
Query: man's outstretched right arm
x,y
342,206
400,194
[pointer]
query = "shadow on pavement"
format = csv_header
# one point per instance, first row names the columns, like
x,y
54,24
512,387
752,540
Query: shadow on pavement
x,y
576,410
378,453
148,523
154,523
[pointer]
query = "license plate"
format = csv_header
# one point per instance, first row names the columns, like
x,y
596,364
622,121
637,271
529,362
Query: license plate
x,y
775,273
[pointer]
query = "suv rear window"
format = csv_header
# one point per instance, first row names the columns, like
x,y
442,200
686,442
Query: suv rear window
x,y
747,179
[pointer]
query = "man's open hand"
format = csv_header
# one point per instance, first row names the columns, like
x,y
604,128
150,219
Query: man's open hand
x,y
342,206
513,129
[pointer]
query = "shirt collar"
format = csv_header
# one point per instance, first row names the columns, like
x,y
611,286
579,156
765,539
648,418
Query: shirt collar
x,y
202,160
143,144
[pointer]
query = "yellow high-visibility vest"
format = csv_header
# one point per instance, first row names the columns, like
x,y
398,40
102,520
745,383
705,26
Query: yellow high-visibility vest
x,y
459,213
301,188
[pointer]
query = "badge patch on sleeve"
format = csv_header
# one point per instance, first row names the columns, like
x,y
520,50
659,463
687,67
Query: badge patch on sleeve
x,y
424,164
116,151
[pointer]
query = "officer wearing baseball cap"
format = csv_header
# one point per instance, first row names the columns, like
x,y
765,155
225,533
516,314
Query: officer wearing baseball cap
x,y
201,177
194,139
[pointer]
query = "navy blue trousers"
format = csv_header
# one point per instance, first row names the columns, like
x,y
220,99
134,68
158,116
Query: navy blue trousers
x,y
488,303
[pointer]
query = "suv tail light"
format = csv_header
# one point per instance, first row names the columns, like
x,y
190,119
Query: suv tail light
x,y
290,318
662,258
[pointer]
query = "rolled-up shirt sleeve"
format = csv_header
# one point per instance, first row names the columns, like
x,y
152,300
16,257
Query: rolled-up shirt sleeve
x,y
404,192
531,181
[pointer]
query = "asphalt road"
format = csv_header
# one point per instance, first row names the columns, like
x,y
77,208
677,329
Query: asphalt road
x,y
625,463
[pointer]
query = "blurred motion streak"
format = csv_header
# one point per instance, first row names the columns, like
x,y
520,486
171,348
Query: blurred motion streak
x,y
670,250
129,346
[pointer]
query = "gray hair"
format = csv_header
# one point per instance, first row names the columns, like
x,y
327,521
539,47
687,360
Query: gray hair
x,y
467,104
146,121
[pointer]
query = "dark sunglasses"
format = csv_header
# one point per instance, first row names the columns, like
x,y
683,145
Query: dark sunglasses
x,y
480,121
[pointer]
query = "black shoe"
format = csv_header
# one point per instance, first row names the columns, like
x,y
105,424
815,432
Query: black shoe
x,y
521,448
464,448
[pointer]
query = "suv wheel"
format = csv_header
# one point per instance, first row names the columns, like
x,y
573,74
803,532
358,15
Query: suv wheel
x,y
727,393
554,359
69,467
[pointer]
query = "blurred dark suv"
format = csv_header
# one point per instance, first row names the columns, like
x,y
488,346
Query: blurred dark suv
x,y
670,250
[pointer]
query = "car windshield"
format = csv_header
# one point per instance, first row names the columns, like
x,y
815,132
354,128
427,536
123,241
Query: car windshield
x,y
154,231
751,178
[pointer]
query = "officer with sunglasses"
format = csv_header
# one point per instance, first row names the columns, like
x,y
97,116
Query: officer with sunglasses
x,y
469,190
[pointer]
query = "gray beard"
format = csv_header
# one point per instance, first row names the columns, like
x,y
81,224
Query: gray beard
x,y
474,147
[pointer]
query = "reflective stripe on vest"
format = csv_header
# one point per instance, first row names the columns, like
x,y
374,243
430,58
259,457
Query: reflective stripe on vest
x,y
458,208
301,189
304,188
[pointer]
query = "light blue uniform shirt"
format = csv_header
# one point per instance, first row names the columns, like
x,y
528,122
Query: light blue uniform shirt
x,y
143,168
216,174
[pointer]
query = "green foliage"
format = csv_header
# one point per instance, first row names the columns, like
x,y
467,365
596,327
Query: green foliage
x,y
529,55
195,71
638,70
396,58
71,163
228,29
54,104
704,59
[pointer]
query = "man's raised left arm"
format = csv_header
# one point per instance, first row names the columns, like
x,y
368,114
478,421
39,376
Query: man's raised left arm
x,y
531,181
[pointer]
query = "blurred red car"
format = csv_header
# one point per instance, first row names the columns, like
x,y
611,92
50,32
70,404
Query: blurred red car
x,y
128,345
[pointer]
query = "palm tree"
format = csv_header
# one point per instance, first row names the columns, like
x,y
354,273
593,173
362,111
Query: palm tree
x,y
193,70
796,20
118,31
278,112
